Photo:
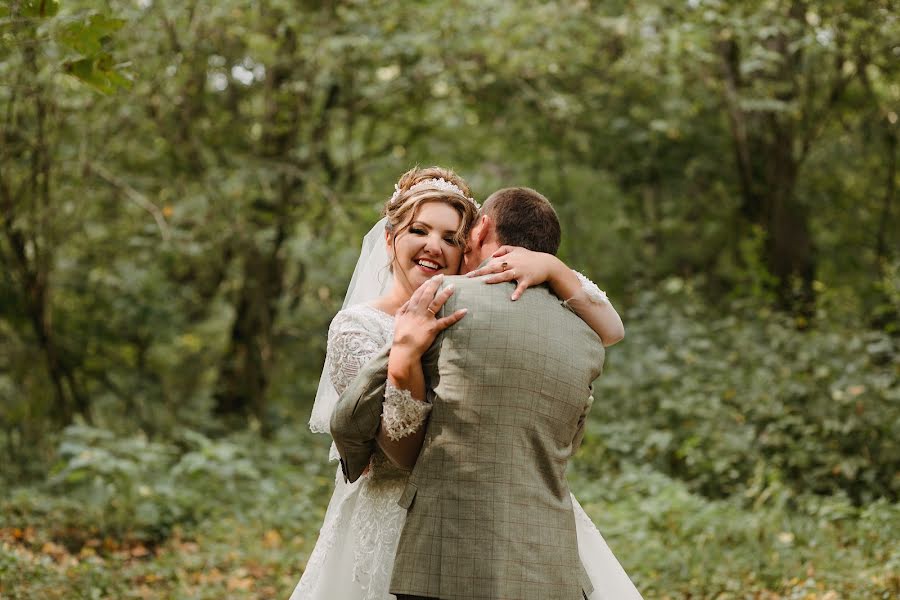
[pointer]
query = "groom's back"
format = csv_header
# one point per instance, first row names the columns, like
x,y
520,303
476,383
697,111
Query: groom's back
x,y
490,512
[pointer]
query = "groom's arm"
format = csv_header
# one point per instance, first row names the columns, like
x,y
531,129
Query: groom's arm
x,y
582,423
357,416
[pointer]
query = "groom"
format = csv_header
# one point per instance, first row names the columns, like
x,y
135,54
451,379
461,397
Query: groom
x,y
489,511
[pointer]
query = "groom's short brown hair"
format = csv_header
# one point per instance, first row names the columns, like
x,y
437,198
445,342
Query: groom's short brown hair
x,y
523,217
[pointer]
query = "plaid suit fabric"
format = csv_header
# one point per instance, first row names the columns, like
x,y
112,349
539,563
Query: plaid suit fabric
x,y
490,515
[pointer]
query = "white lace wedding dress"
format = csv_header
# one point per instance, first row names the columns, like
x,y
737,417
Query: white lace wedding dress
x,y
354,555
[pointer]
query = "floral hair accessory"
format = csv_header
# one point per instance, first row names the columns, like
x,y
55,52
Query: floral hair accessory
x,y
437,184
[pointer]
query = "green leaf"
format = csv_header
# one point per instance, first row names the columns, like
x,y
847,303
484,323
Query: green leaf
x,y
89,37
98,73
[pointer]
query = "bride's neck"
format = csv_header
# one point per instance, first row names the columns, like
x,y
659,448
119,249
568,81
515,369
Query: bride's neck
x,y
393,300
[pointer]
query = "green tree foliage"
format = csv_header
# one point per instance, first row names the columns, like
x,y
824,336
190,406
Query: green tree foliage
x,y
247,142
38,144
183,185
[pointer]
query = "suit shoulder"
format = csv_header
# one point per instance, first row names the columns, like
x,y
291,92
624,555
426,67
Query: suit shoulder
x,y
460,281
475,286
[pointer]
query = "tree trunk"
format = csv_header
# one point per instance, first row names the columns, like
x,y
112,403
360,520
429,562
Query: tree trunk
x,y
34,294
767,170
30,241
790,255
244,376
881,244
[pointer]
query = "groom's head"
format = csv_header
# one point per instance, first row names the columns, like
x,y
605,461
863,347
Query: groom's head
x,y
515,216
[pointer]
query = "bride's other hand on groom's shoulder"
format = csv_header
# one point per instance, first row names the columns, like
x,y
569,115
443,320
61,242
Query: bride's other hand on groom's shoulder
x,y
526,267
417,324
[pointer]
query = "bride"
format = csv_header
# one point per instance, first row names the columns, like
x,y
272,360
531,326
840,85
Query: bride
x,y
424,234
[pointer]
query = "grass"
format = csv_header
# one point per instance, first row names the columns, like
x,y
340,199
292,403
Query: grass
x,y
253,541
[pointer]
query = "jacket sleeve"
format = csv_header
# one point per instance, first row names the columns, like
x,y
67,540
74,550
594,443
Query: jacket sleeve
x,y
357,416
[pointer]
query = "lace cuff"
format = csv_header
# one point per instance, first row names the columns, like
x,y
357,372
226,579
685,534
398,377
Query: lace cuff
x,y
402,414
590,289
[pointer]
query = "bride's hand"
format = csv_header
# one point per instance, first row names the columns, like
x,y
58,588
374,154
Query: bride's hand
x,y
416,324
525,267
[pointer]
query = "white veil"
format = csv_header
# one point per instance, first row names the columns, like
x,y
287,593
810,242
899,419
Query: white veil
x,y
370,280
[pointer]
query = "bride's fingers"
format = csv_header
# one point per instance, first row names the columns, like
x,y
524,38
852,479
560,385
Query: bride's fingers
x,y
403,308
431,289
523,282
423,296
502,250
446,322
508,275
520,289
495,266
479,271
441,298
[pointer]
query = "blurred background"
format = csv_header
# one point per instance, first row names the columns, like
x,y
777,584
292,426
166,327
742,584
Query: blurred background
x,y
184,185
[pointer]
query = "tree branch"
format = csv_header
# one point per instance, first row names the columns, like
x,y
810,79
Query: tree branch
x,y
729,52
133,195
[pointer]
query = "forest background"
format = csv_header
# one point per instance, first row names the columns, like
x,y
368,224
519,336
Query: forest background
x,y
184,184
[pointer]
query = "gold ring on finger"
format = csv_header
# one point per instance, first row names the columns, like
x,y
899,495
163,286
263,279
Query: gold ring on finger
x,y
504,265
433,314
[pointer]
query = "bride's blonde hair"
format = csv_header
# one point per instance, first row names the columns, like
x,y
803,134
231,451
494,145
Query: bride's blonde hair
x,y
404,204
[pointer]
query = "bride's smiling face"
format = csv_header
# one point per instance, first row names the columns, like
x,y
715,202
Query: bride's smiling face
x,y
426,246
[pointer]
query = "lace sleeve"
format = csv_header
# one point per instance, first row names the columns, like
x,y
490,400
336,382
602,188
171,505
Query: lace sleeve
x,y
594,293
351,344
403,414
592,306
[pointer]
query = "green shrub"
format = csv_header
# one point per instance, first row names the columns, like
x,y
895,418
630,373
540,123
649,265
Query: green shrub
x,y
142,488
746,403
675,543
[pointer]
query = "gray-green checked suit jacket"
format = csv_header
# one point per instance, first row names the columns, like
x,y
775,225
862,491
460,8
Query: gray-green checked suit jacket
x,y
489,511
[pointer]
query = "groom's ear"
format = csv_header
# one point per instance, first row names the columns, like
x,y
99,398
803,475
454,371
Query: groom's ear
x,y
485,223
